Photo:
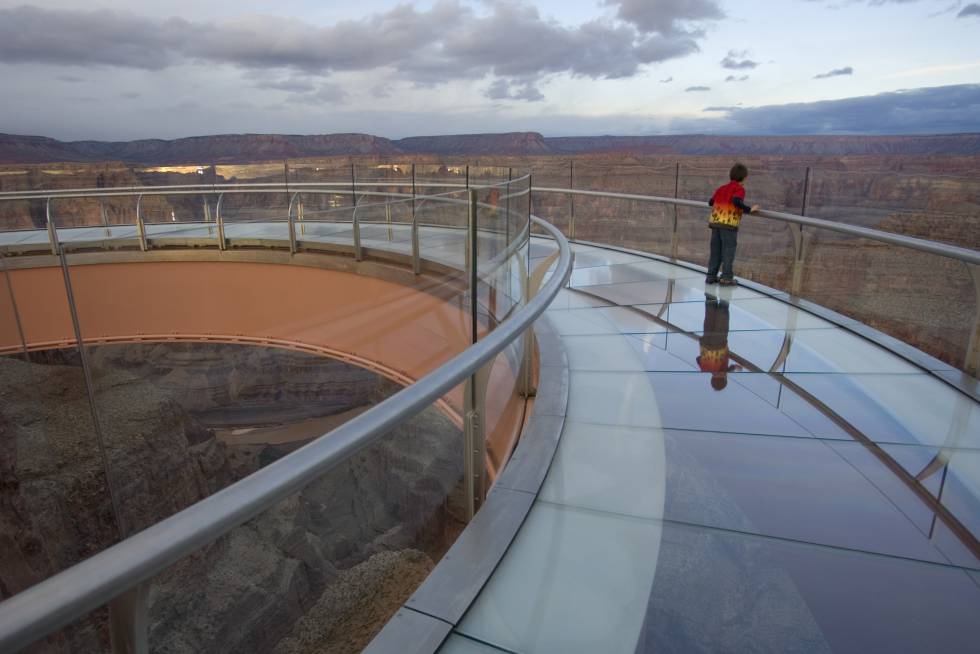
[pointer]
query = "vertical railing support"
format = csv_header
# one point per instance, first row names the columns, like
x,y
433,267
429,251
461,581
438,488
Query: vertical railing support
x,y
52,232
222,244
806,192
87,376
475,439
299,217
674,236
105,219
141,226
510,178
292,223
391,234
971,363
128,623
471,260
474,391
355,224
353,184
416,256
571,200
796,284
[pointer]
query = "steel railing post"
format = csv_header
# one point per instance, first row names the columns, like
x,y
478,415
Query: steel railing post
x,y
87,376
806,192
140,226
471,260
105,219
674,236
416,255
291,223
219,219
571,200
52,232
388,219
355,224
796,283
971,363
475,439
128,622
357,234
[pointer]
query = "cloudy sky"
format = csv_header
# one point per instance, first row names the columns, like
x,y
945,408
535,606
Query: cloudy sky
x,y
125,69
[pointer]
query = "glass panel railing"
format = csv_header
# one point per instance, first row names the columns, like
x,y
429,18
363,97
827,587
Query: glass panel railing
x,y
249,218
923,299
58,508
179,216
324,569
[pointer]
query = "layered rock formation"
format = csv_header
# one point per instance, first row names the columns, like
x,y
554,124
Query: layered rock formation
x,y
264,147
393,507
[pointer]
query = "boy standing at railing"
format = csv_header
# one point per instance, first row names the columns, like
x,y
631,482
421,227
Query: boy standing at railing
x,y
728,204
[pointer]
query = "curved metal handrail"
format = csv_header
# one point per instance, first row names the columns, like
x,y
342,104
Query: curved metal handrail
x,y
272,187
932,247
58,600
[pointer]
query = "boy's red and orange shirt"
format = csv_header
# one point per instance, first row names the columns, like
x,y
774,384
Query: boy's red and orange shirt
x,y
724,213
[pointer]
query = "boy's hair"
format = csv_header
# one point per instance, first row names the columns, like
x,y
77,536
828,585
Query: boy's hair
x,y
738,172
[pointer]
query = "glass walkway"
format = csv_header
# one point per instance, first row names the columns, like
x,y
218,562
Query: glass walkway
x,y
768,499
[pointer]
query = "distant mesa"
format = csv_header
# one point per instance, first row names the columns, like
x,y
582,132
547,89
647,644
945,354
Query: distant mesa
x,y
246,148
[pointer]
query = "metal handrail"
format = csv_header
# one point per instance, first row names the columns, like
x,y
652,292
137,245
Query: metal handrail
x,y
932,247
186,189
57,601
923,245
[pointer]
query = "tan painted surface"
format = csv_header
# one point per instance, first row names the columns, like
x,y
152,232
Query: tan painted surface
x,y
397,330
408,331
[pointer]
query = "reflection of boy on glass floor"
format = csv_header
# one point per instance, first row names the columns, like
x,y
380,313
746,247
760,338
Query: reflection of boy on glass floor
x,y
714,343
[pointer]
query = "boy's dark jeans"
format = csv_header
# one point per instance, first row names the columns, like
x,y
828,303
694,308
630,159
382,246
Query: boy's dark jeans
x,y
723,243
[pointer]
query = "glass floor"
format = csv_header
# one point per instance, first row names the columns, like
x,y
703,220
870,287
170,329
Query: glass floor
x,y
737,475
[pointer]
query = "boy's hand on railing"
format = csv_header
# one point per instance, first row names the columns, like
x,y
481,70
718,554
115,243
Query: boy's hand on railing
x,y
755,208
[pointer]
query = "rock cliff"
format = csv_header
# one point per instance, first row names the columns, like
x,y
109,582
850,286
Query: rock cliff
x,y
161,407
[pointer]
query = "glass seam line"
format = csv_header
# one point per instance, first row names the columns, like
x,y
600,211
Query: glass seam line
x,y
750,534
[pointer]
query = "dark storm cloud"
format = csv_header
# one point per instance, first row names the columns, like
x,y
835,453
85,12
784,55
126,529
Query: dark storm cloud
x,y
79,38
837,72
697,88
448,41
972,9
666,16
736,61
943,109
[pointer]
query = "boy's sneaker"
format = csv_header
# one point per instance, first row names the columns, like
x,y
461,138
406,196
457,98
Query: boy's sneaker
x,y
727,282
710,280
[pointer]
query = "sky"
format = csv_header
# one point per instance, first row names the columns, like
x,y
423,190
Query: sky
x,y
129,69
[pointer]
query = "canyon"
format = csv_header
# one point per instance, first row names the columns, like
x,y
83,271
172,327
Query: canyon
x,y
241,148
389,512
